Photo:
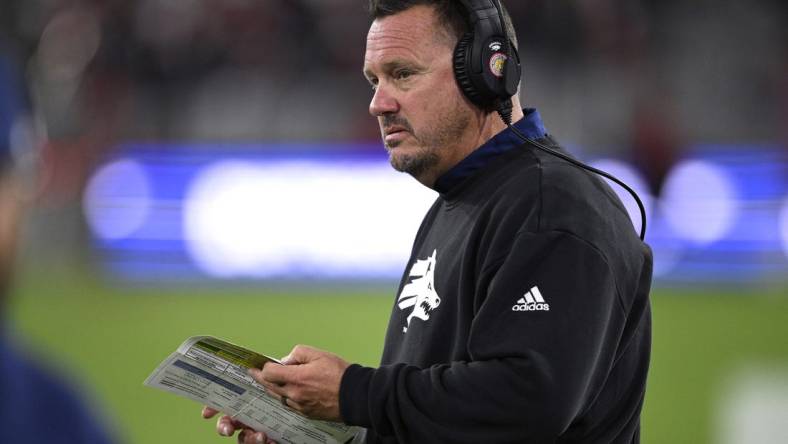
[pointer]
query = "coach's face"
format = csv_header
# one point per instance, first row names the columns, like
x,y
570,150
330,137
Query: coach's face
x,y
423,116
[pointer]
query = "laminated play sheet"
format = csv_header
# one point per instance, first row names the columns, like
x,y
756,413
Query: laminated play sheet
x,y
213,372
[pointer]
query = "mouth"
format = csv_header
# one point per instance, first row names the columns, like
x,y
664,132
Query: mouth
x,y
426,307
393,130
394,135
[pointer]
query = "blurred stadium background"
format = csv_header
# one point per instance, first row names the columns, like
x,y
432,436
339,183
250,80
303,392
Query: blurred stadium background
x,y
209,168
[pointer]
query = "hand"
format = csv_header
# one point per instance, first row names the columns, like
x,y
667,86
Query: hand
x,y
226,426
309,381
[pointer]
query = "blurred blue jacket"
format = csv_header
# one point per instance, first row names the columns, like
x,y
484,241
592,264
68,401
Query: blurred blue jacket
x,y
35,407
12,103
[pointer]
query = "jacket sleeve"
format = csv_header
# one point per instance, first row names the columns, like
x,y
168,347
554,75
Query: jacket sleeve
x,y
530,373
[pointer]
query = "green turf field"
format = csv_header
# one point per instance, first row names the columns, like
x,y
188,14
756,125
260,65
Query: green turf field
x,y
116,337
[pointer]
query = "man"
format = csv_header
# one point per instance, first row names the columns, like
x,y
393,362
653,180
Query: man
x,y
35,406
523,315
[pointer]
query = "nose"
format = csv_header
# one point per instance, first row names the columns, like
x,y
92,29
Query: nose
x,y
383,102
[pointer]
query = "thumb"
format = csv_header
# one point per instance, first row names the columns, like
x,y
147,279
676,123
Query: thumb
x,y
301,354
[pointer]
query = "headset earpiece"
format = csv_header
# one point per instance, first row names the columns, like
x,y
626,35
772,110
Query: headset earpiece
x,y
462,72
486,64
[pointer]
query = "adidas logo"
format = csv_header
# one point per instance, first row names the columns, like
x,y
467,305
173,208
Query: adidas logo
x,y
531,301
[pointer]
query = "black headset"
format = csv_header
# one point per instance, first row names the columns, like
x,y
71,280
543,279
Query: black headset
x,y
486,64
487,69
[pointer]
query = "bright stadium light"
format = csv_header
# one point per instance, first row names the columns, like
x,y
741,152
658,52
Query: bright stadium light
x,y
302,218
117,199
632,177
699,201
668,250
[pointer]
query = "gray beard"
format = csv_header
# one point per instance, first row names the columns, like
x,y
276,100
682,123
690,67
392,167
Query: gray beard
x,y
415,165
426,160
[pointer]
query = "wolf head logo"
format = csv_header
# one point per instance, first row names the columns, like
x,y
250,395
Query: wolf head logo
x,y
420,292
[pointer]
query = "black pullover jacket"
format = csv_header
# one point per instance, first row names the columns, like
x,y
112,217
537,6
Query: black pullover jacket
x,y
523,315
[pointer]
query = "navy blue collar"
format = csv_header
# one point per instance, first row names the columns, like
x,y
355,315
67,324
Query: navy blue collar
x,y
530,125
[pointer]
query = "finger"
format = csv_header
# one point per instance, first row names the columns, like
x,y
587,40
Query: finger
x,y
261,438
282,394
257,375
292,405
208,412
277,392
249,436
227,426
224,427
274,374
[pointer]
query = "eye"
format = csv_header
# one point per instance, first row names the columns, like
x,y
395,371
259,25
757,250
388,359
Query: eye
x,y
373,82
403,74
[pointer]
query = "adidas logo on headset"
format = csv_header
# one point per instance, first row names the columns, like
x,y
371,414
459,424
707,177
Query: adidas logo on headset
x,y
531,301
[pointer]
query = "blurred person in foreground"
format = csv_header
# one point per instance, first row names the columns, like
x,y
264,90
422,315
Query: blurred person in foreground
x,y
523,314
35,406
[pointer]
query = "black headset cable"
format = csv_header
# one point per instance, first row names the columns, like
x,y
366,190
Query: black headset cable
x,y
588,168
504,108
